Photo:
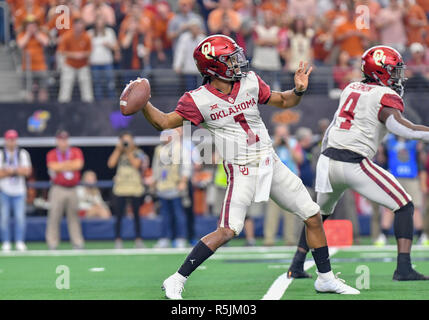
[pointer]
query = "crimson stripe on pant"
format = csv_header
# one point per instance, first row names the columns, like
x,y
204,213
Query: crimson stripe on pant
x,y
230,179
399,189
380,184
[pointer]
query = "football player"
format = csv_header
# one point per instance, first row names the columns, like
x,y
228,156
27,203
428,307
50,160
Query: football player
x,y
227,105
366,112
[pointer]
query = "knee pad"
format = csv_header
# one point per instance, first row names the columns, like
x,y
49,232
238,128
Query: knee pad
x,y
403,222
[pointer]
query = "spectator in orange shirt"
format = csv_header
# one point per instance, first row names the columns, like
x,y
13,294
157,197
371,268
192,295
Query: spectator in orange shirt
x,y
277,7
57,19
224,14
349,38
32,42
135,40
337,14
98,7
14,5
425,6
58,23
162,53
29,7
322,43
415,21
75,47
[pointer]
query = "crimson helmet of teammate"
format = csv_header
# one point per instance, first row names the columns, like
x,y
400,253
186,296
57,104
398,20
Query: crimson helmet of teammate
x,y
384,65
222,57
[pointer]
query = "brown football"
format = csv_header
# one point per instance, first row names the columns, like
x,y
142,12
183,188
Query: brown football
x,y
135,96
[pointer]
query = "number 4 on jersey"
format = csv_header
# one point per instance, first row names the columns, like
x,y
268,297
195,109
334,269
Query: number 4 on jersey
x,y
347,110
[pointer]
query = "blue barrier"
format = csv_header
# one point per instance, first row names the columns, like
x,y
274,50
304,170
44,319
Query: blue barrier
x,y
103,229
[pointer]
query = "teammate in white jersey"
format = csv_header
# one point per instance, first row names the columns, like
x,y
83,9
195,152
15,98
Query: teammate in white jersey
x,y
227,105
367,111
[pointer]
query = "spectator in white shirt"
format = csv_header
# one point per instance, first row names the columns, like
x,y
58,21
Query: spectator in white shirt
x,y
15,166
183,62
104,49
266,57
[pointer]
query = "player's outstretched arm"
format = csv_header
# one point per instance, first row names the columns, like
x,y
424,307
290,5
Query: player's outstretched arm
x,y
161,120
290,98
402,127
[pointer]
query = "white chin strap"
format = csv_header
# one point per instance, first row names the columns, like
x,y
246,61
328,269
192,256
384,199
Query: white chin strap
x,y
400,130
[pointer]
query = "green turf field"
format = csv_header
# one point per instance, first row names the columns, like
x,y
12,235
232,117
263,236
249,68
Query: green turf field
x,y
233,273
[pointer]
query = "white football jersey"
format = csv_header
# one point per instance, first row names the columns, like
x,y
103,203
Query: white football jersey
x,y
240,135
356,125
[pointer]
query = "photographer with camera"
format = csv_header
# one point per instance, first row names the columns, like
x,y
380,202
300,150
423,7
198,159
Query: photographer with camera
x,y
128,185
15,167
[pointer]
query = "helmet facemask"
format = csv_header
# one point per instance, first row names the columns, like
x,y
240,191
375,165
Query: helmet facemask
x,y
397,77
237,64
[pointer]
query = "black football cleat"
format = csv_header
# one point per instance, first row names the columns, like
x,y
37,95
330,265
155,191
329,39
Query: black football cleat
x,y
298,274
413,275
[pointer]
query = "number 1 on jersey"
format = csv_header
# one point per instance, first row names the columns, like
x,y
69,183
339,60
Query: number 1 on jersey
x,y
252,137
347,110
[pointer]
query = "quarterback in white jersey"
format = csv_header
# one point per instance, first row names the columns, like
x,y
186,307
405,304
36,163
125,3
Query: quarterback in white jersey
x,y
227,104
367,111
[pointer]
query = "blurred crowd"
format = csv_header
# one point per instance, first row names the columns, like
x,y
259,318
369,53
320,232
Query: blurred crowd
x,y
88,40
176,185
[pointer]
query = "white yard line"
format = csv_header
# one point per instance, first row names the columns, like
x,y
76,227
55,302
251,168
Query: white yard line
x,y
270,251
280,285
146,251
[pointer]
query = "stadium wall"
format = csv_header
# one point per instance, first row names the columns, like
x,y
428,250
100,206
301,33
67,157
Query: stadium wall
x,y
97,229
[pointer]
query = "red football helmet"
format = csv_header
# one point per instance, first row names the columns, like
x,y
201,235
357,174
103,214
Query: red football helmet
x,y
220,56
384,65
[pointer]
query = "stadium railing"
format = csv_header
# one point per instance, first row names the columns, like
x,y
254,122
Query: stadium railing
x,y
164,82
5,30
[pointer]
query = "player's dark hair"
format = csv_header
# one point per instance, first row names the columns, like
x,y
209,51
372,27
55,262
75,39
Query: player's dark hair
x,y
206,79
367,79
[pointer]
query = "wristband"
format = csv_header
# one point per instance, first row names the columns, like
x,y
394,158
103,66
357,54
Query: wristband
x,y
298,93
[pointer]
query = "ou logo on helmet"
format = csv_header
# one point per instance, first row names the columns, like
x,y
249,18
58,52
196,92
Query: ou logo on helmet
x,y
379,57
208,50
